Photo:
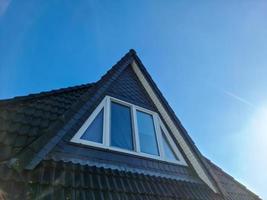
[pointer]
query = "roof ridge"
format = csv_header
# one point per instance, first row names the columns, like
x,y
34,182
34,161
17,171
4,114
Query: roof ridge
x,y
26,154
17,99
130,53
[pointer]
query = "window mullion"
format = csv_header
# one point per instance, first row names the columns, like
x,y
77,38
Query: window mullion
x,y
107,123
135,126
158,135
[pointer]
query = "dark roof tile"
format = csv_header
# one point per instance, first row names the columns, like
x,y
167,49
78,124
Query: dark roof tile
x,y
31,115
20,140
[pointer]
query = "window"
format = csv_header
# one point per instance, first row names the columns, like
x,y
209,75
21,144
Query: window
x,y
168,152
147,134
94,132
120,126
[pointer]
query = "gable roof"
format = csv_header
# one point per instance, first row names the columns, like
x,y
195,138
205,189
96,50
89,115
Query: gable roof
x,y
38,122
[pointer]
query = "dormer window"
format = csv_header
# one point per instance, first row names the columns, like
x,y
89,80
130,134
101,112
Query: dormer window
x,y
120,126
147,133
94,132
121,131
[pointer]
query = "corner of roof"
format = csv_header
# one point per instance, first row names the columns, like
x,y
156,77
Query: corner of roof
x,y
132,51
212,165
128,56
175,119
19,99
36,151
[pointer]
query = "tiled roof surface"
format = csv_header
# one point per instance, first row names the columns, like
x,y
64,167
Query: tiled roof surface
x,y
59,180
85,155
128,87
23,119
231,188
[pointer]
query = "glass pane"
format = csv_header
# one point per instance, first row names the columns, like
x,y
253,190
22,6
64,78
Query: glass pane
x,y
147,134
121,127
94,132
169,153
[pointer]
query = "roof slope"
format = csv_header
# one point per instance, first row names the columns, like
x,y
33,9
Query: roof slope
x,y
28,123
231,188
60,180
24,119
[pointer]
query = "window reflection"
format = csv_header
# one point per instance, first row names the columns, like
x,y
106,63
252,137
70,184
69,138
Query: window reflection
x,y
121,127
94,132
147,134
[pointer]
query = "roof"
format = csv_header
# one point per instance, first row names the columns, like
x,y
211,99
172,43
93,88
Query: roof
x,y
230,187
28,125
62,180
24,119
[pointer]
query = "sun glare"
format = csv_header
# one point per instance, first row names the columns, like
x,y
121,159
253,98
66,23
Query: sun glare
x,y
258,128
254,154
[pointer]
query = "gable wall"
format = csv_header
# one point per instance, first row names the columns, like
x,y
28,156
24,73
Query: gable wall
x,y
126,87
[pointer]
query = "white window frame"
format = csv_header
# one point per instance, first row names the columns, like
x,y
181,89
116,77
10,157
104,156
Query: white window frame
x,y
106,106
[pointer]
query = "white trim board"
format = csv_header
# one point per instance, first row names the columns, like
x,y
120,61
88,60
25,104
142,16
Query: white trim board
x,y
183,144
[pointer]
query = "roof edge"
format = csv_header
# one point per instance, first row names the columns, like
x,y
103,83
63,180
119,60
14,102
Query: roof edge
x,y
31,156
175,119
228,175
44,94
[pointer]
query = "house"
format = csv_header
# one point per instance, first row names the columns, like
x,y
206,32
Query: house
x,y
114,139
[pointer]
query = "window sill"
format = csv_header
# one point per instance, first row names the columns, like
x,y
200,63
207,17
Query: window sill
x,y
141,155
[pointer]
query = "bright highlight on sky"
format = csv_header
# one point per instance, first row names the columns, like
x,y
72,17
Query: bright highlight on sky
x,y
209,58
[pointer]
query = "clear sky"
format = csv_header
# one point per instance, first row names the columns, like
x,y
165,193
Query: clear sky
x,y
209,58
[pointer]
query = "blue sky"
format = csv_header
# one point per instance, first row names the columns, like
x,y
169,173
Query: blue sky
x,y
209,60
